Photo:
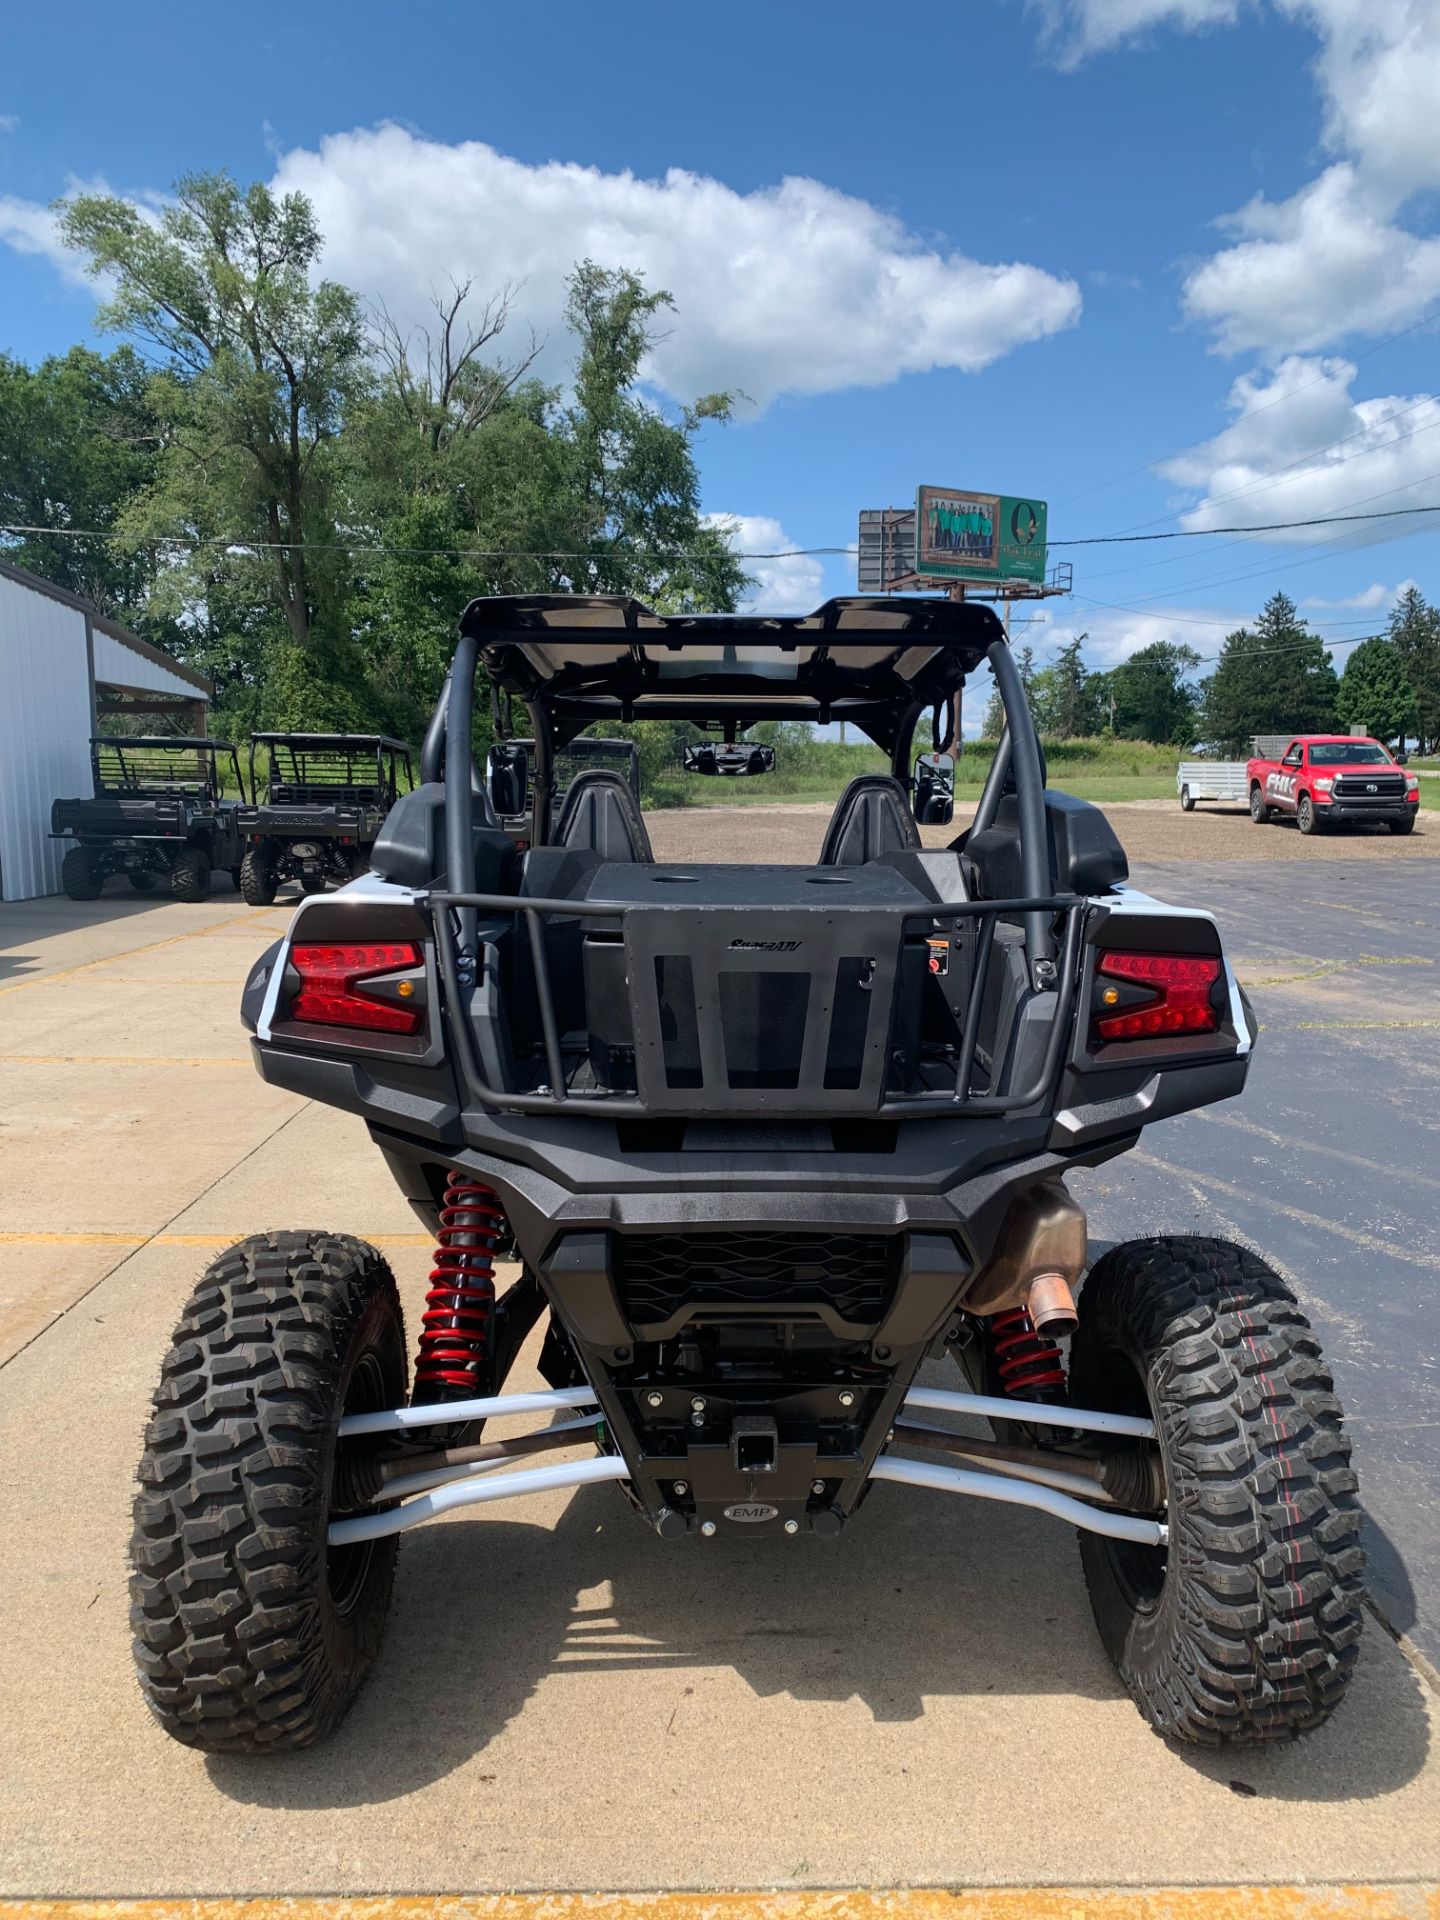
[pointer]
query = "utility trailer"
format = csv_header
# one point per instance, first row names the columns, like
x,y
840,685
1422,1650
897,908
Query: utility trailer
x,y
1222,781
326,795
158,811
763,1141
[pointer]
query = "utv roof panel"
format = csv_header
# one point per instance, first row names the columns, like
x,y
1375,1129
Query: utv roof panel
x,y
604,653
159,740
320,741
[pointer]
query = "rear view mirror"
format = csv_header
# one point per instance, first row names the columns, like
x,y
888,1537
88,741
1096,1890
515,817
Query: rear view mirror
x,y
932,789
507,771
739,758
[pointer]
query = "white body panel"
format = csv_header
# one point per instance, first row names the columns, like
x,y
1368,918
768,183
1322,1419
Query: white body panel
x,y
44,733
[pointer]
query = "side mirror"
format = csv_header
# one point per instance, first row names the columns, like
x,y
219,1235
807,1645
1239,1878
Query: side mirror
x,y
932,789
741,758
507,772
1402,759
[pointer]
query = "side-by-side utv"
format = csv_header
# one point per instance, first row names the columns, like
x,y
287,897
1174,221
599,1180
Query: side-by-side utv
x,y
158,811
763,1139
326,795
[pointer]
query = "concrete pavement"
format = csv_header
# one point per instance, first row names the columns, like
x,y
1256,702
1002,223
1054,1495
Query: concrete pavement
x,y
563,1700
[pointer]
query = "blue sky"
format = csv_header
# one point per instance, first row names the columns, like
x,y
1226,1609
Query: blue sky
x,y
1163,262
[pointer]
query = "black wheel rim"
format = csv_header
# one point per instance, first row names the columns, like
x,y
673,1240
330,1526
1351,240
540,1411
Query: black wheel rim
x,y
1139,1571
348,1568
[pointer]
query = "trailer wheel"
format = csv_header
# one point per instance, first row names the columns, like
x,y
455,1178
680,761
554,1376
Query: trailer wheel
x,y
141,882
1187,800
1246,1627
81,874
190,874
250,1633
257,881
1259,812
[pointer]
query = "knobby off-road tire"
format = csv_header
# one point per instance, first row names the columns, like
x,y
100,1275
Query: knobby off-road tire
x,y
258,883
81,875
250,1633
1245,1628
190,875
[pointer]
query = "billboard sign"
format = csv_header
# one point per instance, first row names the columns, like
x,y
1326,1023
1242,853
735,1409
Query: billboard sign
x,y
984,537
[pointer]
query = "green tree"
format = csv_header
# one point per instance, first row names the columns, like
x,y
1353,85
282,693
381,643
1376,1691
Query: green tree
x,y
1374,691
1274,678
1062,697
77,440
1148,697
632,468
255,364
1415,632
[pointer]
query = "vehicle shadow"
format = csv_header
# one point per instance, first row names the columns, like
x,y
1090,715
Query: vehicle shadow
x,y
909,1605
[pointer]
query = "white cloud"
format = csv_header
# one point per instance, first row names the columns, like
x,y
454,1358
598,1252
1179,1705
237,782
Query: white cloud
x,y
795,584
1321,452
29,227
1368,600
1340,256
1345,254
1306,271
795,288
1075,28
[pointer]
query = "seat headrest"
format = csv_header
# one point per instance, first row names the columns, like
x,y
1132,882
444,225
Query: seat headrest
x,y
871,817
600,812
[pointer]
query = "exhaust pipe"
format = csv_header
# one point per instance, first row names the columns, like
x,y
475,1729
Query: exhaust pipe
x,y
1037,1260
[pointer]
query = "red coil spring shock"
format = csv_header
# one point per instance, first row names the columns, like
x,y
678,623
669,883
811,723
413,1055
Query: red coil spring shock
x,y
455,1339
1029,1363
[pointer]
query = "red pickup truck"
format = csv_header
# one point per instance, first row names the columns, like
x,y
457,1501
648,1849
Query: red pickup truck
x,y
1329,779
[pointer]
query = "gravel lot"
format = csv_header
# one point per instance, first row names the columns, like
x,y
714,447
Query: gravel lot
x,y
1148,829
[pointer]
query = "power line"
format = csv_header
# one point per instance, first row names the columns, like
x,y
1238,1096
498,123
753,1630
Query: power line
x,y
193,543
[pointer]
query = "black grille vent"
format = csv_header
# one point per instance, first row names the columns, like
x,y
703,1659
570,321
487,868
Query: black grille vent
x,y
665,1276
1357,786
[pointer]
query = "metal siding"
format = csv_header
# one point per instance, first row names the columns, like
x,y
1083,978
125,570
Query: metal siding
x,y
117,665
44,733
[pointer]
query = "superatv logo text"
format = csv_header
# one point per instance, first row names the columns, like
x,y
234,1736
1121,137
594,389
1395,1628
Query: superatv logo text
x,y
764,946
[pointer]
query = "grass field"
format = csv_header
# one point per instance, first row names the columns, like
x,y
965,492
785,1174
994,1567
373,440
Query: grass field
x,y
1103,770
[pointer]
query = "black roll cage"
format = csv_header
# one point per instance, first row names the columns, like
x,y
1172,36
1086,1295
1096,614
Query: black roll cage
x,y
518,638
352,746
138,774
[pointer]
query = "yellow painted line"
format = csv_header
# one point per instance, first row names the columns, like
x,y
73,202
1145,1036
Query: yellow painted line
x,y
1379,1902
141,1237
124,1060
109,959
1335,966
1347,1026
1396,1249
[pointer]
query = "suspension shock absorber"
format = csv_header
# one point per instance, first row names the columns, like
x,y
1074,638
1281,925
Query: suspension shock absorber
x,y
1029,1363
457,1334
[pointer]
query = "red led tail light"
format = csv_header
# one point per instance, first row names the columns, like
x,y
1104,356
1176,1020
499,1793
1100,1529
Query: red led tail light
x,y
334,982
1181,984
